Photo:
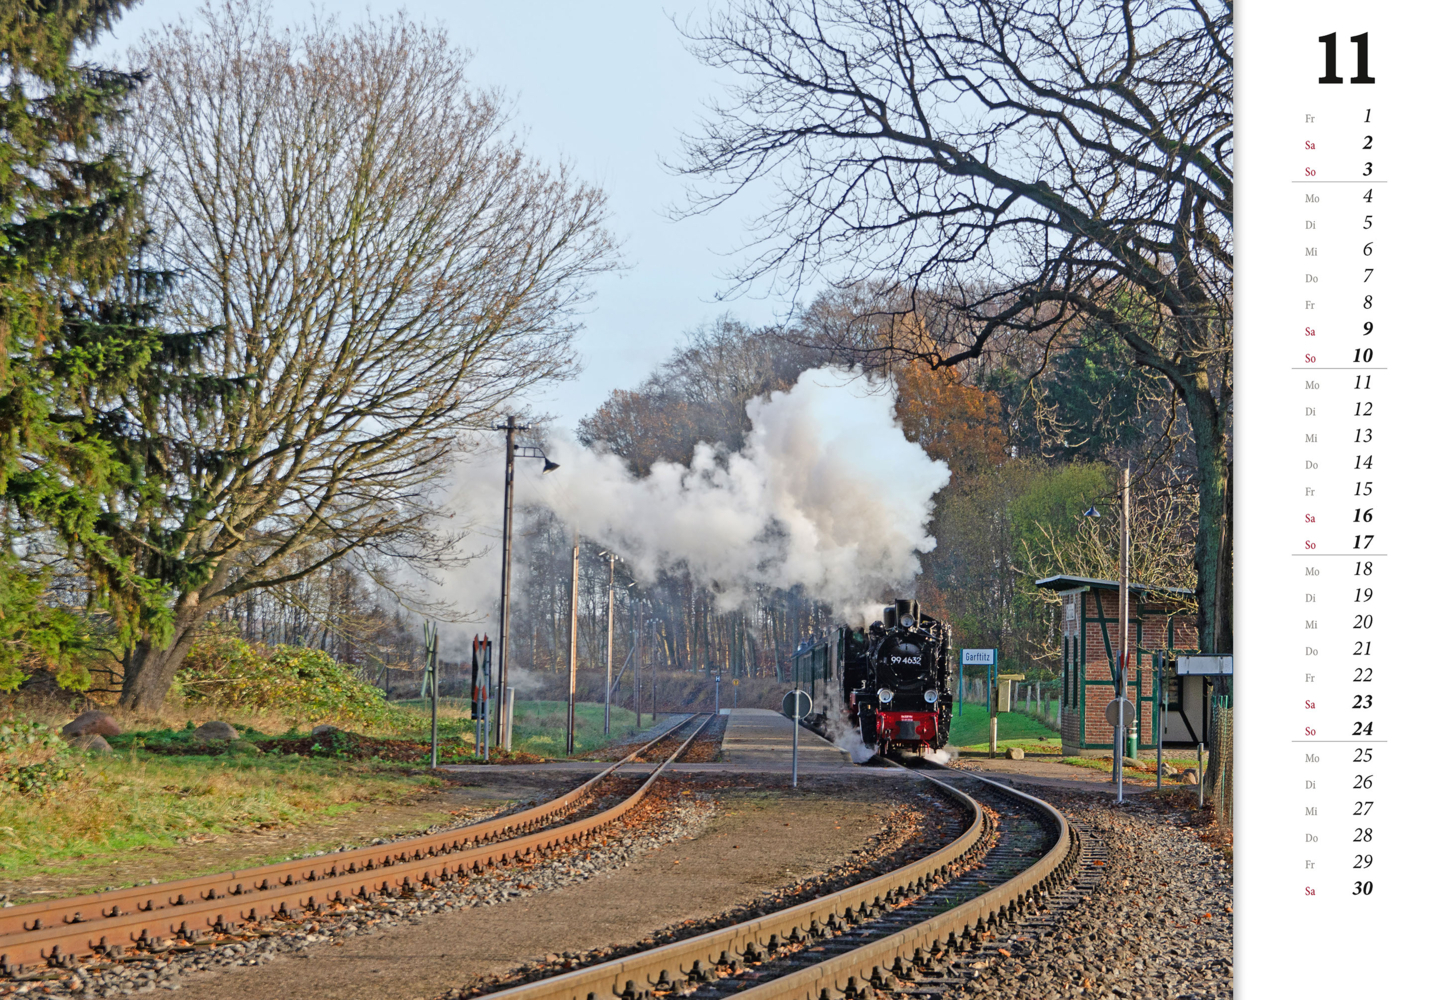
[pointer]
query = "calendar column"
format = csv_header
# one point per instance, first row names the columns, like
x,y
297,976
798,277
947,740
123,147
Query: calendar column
x,y
1334,487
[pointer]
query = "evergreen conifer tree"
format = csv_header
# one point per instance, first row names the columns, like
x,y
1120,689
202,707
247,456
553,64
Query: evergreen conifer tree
x,y
81,352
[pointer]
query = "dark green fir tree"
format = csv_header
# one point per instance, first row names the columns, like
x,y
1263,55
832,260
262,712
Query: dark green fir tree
x,y
82,354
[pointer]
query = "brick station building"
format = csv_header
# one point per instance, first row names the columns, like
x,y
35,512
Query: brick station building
x,y
1161,626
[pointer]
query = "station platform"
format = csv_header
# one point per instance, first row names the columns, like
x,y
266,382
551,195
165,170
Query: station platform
x,y
762,737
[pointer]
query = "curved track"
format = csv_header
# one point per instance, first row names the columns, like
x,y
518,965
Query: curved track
x,y
850,942
107,923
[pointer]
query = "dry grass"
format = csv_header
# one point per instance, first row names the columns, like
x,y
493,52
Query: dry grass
x,y
56,712
129,801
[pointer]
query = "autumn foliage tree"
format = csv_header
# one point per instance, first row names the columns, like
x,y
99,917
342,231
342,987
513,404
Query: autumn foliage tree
x,y
956,423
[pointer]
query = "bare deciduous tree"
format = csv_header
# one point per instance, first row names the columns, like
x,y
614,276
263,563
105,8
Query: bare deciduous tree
x,y
1003,167
386,267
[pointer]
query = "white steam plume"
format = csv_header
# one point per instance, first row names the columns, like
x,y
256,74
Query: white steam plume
x,y
825,493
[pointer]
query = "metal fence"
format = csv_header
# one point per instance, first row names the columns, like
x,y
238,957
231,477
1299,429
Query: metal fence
x,y
1221,771
1041,700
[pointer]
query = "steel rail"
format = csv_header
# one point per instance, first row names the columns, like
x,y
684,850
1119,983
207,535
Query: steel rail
x,y
696,958
181,909
855,974
857,971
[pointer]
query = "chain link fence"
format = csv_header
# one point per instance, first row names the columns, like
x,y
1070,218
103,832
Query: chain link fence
x,y
1221,770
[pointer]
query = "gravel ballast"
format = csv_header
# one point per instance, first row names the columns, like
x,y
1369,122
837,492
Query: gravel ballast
x,y
1157,926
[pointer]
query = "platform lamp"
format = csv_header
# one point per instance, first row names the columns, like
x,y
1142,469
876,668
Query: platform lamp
x,y
1123,656
512,452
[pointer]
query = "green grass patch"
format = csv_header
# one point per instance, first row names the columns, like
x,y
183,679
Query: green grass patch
x,y
971,725
132,800
1032,747
539,725
161,786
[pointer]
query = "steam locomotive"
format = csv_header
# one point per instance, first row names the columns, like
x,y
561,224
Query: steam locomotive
x,y
891,681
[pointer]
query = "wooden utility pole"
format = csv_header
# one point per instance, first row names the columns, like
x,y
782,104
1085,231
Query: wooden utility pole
x,y
574,620
502,647
609,637
510,426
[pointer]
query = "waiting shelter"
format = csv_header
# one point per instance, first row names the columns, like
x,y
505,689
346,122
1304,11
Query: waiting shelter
x,y
1162,625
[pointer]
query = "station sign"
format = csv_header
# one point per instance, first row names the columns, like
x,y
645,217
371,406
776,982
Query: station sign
x,y
1209,666
978,657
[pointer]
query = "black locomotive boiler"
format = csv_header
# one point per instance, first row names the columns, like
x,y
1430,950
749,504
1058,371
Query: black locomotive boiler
x,y
892,681
905,700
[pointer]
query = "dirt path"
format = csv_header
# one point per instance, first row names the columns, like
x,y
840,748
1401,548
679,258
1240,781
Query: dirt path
x,y
231,851
760,840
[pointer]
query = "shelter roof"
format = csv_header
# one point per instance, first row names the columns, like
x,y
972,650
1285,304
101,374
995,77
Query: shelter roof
x,y
1063,582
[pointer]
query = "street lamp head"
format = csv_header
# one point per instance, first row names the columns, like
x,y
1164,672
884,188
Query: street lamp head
x,y
549,467
1091,512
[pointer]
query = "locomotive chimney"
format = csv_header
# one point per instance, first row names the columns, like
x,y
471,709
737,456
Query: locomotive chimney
x,y
888,616
908,607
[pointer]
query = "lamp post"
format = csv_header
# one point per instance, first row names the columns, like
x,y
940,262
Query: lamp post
x,y
512,451
1123,655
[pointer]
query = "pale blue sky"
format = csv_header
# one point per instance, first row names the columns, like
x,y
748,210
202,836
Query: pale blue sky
x,y
608,86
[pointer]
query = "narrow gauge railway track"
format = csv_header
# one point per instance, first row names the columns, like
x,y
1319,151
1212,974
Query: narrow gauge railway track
x,y
851,942
673,742
708,742
1029,928
106,923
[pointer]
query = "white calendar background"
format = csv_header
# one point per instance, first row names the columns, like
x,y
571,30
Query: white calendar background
x,y
1336,492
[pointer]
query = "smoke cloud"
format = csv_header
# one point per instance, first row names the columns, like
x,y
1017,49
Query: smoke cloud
x,y
825,493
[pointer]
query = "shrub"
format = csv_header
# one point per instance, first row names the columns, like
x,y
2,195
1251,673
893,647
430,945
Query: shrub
x,y
34,760
304,685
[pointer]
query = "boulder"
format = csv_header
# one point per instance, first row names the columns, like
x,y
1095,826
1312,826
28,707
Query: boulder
x,y
1190,777
1167,770
91,723
324,728
1015,753
216,730
1136,764
93,742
